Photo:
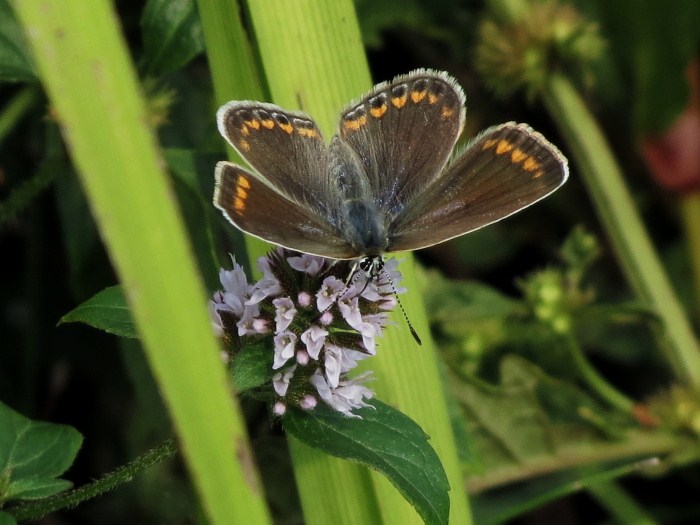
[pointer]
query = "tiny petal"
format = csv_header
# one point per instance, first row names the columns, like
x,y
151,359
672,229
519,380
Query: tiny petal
x,y
350,310
331,288
246,323
285,343
349,394
332,365
279,408
313,338
267,286
304,299
308,402
310,264
280,381
260,326
326,318
388,303
216,322
303,357
284,313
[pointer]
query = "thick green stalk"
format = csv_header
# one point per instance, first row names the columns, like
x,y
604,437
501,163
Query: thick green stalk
x,y
633,248
92,85
312,55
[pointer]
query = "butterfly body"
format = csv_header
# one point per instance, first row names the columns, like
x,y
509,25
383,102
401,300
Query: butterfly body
x,y
387,181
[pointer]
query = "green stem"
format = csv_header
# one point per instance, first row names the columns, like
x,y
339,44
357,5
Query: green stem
x,y
92,85
690,209
621,220
619,503
16,109
72,498
595,381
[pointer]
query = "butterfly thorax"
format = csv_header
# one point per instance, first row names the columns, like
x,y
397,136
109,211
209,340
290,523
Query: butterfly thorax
x,y
363,228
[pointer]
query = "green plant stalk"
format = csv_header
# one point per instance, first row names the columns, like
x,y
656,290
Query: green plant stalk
x,y
690,210
92,86
235,77
231,61
621,220
16,109
595,381
313,60
619,503
107,483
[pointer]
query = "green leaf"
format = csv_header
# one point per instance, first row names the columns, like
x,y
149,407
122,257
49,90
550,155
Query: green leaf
x,y
252,366
383,439
172,35
32,455
15,64
106,310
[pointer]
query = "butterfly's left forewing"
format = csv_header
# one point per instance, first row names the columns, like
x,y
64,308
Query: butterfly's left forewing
x,y
505,169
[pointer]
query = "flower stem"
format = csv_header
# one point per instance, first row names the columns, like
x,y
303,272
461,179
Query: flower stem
x,y
72,498
595,381
621,220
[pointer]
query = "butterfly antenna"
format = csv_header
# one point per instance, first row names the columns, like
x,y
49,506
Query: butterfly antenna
x,y
403,310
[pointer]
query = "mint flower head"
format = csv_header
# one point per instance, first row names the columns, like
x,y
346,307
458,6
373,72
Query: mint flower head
x,y
316,326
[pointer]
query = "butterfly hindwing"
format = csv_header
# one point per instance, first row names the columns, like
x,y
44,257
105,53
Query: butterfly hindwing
x,y
262,212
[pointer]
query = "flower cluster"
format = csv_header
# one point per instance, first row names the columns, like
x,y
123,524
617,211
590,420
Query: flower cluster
x,y
318,326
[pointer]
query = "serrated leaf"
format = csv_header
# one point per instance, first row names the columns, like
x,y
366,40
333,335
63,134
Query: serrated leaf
x,y
385,440
172,34
252,367
15,64
106,310
531,424
33,454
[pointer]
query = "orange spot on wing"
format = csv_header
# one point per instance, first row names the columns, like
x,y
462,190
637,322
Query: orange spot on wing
x,y
242,182
518,155
399,102
244,130
531,164
378,112
417,96
307,132
239,204
268,123
432,98
244,145
287,127
490,143
255,124
355,124
503,146
447,112
241,194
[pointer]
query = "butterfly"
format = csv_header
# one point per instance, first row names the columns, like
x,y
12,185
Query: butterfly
x,y
387,181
